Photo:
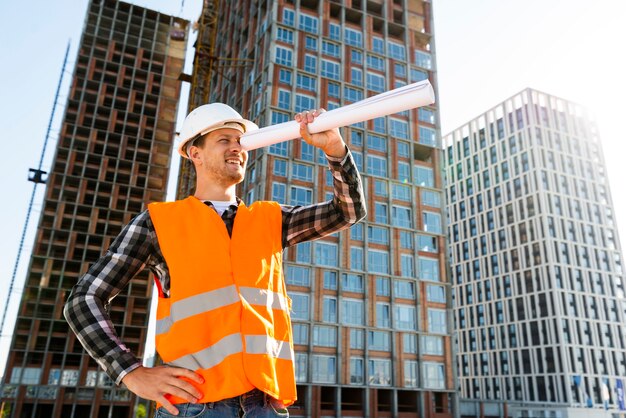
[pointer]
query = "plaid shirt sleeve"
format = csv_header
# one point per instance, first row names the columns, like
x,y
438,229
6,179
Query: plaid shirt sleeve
x,y
86,307
347,207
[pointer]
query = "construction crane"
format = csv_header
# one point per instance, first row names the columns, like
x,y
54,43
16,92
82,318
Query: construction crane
x,y
205,65
37,176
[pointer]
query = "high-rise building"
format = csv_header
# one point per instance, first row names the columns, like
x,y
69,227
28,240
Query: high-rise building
x,y
112,157
370,305
536,262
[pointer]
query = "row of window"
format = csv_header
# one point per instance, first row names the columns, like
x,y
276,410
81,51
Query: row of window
x,y
379,373
67,377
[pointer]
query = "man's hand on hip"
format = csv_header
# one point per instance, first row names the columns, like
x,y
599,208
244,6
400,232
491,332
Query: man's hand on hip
x,y
329,141
154,383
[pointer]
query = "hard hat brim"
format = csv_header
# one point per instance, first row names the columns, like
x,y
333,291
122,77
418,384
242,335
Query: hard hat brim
x,y
245,124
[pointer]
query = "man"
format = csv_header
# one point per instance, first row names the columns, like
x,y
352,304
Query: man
x,y
223,326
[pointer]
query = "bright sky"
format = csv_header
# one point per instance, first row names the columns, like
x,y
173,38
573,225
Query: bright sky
x,y
487,51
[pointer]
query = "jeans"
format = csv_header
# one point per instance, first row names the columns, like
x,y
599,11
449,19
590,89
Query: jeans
x,y
253,404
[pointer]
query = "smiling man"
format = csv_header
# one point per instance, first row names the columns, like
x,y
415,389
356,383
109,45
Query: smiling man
x,y
223,324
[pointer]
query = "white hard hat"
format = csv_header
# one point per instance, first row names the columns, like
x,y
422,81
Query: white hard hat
x,y
208,118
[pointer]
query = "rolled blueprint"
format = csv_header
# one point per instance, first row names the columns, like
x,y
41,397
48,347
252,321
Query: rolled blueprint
x,y
394,101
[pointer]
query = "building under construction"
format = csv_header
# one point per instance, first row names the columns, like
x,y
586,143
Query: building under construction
x,y
371,305
112,158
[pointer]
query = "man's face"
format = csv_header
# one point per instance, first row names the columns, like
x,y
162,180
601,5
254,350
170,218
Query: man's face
x,y
221,159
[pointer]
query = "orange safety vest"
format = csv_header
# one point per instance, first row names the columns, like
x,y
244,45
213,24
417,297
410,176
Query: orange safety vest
x,y
227,317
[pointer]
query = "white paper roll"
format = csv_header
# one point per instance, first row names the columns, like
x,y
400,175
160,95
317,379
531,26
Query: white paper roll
x,y
394,101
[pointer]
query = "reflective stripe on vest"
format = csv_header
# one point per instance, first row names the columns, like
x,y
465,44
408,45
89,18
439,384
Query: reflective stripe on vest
x,y
219,298
232,344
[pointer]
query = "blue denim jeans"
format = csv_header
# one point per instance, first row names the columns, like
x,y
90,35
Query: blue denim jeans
x,y
253,404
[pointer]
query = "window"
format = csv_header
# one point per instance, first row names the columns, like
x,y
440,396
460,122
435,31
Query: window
x,y
383,315
31,375
434,375
435,293
375,82
308,23
306,82
352,312
284,76
426,115
357,337
423,59
324,368
380,188
284,35
352,94
330,69
378,45
310,43
356,370
396,51
302,365
378,261
284,56
301,196
437,323
300,306
429,269
379,125
284,99
358,160
404,317
329,309
423,176
406,264
289,17
418,75
326,254
379,340
431,198
427,136
431,222
432,345
380,372
375,63
403,149
310,63
357,57
279,192
353,37
280,167
330,49
376,166
352,282
382,286
330,280
376,143
404,288
303,254
381,215
404,172
324,336
356,232
356,76
334,32
307,152
334,90
410,373
300,333
399,70
402,216
297,275
401,192
406,240
378,235
302,172
409,343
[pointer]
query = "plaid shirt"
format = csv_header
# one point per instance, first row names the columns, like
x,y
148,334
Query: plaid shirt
x,y
137,247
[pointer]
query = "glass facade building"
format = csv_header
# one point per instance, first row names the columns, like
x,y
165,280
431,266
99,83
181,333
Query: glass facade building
x,y
536,260
370,305
112,157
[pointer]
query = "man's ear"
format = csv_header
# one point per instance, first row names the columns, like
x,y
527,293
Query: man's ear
x,y
194,154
